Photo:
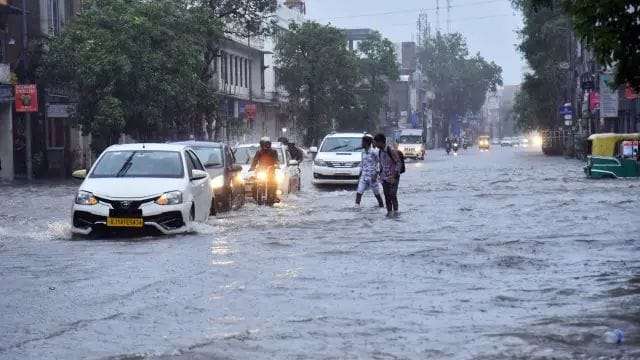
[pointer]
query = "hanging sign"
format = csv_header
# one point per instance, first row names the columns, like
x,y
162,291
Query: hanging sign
x,y
26,98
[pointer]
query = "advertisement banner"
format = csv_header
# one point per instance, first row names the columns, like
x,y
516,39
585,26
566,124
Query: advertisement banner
x,y
250,111
629,93
608,98
26,98
594,101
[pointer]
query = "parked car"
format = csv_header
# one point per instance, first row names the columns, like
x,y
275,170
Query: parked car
x,y
226,183
337,161
288,175
136,186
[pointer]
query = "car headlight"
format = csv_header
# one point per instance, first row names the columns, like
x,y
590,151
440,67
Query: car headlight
x,y
86,198
170,198
319,163
279,177
217,182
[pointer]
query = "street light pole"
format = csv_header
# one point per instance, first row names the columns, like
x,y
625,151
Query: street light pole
x,y
27,115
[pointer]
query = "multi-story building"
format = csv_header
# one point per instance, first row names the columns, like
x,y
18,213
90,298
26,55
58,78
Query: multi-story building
x,y
57,147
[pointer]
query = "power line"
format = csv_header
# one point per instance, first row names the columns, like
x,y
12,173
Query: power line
x,y
461,19
437,8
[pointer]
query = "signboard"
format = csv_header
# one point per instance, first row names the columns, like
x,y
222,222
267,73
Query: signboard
x,y
594,101
629,93
26,98
250,111
60,110
608,98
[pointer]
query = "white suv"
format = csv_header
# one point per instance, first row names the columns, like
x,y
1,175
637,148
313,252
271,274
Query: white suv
x,y
337,161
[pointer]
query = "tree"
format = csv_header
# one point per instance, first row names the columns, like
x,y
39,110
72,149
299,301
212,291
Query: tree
x,y
610,28
244,18
319,73
545,44
459,82
137,67
377,64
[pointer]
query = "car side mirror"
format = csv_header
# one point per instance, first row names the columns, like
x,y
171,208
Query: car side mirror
x,y
198,175
293,163
313,150
79,174
236,168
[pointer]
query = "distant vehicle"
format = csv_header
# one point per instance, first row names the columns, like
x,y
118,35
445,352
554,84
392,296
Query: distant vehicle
x,y
288,175
226,183
337,161
483,142
524,142
411,144
495,142
136,186
506,142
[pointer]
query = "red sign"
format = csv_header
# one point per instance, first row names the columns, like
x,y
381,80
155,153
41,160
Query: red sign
x,y
630,94
594,101
26,98
250,111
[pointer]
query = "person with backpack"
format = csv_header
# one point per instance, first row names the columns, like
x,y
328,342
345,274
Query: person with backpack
x,y
391,166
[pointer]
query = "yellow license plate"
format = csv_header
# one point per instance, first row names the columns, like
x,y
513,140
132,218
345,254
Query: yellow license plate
x,y
125,222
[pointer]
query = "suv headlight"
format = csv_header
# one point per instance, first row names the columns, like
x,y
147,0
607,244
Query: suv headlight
x,y
170,198
86,198
217,182
319,163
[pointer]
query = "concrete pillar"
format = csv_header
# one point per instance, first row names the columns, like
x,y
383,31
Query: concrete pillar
x,y
6,142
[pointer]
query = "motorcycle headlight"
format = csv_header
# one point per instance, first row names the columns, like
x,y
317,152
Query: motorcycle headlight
x,y
170,198
319,163
217,182
455,144
86,198
262,176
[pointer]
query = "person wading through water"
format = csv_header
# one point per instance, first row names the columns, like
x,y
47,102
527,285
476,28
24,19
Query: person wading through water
x,y
389,173
370,169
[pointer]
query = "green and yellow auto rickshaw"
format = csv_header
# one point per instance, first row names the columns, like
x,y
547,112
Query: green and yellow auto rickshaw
x,y
613,156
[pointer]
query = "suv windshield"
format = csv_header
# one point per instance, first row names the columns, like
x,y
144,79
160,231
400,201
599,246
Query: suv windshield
x,y
148,164
209,156
342,144
410,139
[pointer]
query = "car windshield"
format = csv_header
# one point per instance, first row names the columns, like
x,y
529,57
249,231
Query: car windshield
x,y
209,156
244,155
342,144
147,164
410,139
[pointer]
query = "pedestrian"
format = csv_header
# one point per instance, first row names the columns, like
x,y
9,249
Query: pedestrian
x,y
389,173
370,166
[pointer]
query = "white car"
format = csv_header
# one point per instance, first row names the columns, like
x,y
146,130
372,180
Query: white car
x,y
136,186
287,175
337,161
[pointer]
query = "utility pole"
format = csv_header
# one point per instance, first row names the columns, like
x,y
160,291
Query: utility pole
x,y
27,115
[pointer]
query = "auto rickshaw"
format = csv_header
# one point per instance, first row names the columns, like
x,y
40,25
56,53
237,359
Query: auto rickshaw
x,y
613,156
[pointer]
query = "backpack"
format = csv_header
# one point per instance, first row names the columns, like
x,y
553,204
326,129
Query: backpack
x,y
401,167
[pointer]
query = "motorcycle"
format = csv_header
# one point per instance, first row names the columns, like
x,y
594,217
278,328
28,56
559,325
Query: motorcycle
x,y
456,147
265,186
448,148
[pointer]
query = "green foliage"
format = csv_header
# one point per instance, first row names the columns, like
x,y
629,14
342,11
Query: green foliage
x,y
545,44
460,82
377,65
138,67
319,73
610,28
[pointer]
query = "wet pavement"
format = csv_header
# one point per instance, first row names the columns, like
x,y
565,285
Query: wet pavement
x,y
499,255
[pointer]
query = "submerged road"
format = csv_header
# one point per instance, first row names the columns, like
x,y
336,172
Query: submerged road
x,y
499,255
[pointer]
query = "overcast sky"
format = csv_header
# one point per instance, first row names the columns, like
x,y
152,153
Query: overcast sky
x,y
488,25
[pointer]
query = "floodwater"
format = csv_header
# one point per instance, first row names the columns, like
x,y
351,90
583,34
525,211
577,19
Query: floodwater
x,y
499,255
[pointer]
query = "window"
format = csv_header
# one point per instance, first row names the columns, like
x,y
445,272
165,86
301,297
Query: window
x,y
231,69
55,133
210,156
197,164
241,72
246,73
236,71
53,10
146,164
340,144
223,68
215,65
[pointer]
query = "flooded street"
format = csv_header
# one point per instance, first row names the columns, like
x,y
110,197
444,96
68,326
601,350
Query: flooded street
x,y
499,255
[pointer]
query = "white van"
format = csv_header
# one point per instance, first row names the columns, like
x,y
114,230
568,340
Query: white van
x,y
337,161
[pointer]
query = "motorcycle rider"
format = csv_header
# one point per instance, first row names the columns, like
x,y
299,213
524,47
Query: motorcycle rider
x,y
447,144
294,151
267,158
